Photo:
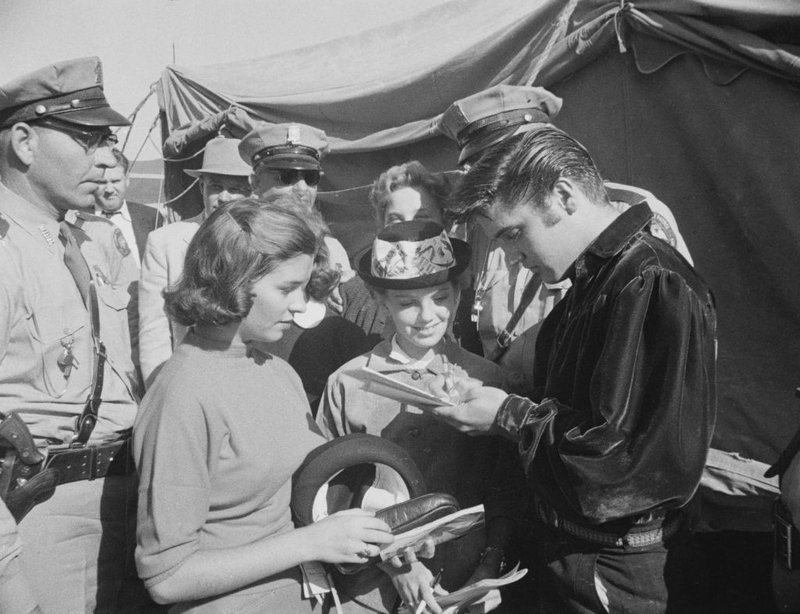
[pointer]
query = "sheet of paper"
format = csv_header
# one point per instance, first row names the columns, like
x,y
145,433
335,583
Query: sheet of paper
x,y
474,593
440,530
389,387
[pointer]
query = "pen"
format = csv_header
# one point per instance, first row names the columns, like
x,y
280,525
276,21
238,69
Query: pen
x,y
434,583
448,374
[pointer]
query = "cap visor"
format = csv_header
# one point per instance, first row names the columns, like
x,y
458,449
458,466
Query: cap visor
x,y
99,116
290,164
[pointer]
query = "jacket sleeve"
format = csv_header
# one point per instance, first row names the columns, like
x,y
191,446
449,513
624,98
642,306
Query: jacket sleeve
x,y
638,439
330,416
155,335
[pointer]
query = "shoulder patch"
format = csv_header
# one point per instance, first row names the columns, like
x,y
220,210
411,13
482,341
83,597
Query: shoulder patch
x,y
120,243
660,229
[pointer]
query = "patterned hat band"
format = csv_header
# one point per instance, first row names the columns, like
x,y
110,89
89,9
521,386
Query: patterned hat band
x,y
409,259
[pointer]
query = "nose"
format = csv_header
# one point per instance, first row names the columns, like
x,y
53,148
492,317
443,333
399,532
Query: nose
x,y
300,186
104,158
513,255
427,311
299,301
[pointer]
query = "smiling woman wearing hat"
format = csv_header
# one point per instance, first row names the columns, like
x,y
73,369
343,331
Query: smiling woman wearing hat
x,y
414,270
223,178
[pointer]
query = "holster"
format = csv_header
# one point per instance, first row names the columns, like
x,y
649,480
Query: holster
x,y
23,484
405,516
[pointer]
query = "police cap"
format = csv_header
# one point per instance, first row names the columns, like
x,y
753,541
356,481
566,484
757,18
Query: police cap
x,y
284,146
71,90
484,119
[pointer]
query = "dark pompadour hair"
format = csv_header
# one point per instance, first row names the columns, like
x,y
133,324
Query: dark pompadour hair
x,y
523,169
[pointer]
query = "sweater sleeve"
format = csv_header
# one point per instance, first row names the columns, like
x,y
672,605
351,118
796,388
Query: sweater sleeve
x,y
172,451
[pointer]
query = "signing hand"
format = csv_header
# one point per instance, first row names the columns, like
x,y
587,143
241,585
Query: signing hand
x,y
415,584
476,409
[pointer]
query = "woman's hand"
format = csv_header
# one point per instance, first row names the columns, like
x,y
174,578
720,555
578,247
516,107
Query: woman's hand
x,y
351,536
415,583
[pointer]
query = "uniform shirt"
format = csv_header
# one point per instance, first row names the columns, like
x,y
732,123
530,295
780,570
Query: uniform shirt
x,y
42,317
622,417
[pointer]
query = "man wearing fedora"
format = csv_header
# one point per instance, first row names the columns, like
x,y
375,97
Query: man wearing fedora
x,y
223,178
69,388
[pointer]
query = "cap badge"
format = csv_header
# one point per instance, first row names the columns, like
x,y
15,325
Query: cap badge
x,y
293,135
40,109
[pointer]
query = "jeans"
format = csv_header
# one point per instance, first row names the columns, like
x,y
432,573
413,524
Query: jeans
x,y
577,576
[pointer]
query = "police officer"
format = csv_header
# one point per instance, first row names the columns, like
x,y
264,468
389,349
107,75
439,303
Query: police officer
x,y
285,158
68,388
511,302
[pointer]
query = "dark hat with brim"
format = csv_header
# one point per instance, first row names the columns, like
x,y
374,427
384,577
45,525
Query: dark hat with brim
x,y
70,91
412,255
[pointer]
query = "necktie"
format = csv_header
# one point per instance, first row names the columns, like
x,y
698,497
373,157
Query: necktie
x,y
75,262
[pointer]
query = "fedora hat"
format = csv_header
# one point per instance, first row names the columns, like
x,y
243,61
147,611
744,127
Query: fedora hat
x,y
221,157
411,255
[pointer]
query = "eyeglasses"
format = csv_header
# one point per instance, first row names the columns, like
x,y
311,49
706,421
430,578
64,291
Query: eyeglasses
x,y
292,176
90,140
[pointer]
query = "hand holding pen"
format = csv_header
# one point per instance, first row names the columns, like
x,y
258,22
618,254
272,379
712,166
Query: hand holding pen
x,y
425,605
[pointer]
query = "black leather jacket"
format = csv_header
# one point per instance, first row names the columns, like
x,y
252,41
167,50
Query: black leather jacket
x,y
622,419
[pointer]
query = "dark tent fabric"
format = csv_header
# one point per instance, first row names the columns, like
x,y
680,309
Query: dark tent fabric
x,y
697,101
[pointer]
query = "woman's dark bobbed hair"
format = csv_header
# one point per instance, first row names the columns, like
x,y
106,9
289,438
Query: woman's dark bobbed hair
x,y
236,246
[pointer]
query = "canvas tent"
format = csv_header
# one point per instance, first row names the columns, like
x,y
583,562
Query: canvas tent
x,y
697,101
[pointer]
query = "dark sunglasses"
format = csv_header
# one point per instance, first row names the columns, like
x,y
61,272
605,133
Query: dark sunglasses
x,y
90,140
293,175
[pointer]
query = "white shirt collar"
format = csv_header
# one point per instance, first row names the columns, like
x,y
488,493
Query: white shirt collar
x,y
397,354
122,211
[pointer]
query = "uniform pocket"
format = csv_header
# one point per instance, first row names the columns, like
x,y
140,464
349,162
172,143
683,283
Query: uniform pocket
x,y
60,337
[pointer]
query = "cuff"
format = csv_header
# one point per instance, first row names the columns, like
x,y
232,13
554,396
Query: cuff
x,y
512,416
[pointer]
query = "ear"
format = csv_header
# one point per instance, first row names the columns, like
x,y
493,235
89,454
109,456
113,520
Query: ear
x,y
24,142
565,195
255,183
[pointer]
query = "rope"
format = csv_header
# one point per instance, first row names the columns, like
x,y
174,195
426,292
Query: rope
x,y
132,116
558,33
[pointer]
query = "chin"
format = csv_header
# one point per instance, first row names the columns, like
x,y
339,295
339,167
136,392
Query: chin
x,y
427,341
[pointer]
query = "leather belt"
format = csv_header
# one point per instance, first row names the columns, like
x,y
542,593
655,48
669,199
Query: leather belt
x,y
633,539
91,462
